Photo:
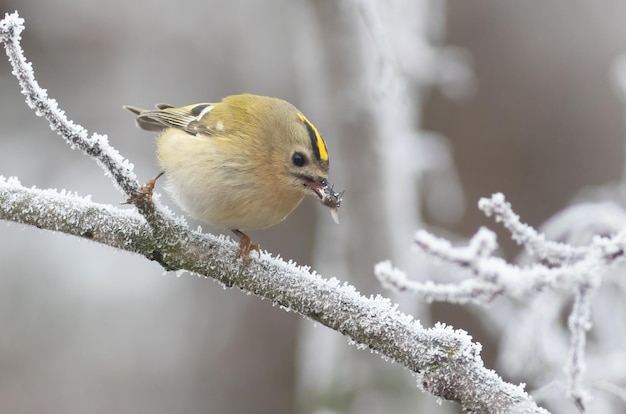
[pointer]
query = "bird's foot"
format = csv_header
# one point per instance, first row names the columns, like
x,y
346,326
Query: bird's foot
x,y
245,247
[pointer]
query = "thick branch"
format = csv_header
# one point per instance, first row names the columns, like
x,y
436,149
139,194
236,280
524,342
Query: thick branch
x,y
446,360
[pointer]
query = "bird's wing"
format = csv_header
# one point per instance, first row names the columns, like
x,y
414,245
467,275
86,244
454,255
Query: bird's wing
x,y
188,118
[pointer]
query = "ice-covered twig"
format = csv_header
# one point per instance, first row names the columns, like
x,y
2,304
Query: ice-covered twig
x,y
96,145
166,228
549,252
446,361
493,277
579,322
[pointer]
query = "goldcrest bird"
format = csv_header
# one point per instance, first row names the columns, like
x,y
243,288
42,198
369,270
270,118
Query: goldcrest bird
x,y
244,163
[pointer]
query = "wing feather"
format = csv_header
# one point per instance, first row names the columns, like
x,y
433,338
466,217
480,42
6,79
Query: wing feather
x,y
187,118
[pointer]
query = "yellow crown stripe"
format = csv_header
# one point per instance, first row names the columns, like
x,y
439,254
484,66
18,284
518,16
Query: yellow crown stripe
x,y
319,146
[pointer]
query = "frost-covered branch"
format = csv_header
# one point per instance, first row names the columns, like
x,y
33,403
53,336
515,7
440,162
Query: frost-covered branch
x,y
563,267
536,245
579,323
446,361
96,145
37,98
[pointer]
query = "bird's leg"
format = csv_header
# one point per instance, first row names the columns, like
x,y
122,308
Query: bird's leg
x,y
245,247
145,192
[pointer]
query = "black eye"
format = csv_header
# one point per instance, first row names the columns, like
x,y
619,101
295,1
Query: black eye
x,y
298,159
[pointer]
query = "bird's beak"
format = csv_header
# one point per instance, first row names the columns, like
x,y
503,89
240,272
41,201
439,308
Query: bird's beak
x,y
327,195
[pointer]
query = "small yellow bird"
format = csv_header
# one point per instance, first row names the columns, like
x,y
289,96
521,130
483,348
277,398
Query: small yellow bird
x,y
243,164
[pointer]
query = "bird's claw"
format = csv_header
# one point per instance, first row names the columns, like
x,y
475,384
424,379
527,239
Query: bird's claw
x,y
245,247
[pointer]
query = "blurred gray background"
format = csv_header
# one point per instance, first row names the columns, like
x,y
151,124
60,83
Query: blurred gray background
x,y
90,329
